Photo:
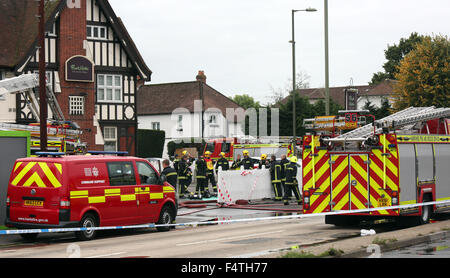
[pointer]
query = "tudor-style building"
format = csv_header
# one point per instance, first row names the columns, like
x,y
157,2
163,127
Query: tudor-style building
x,y
92,63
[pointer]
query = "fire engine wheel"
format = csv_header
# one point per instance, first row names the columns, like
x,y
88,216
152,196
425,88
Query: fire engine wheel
x,y
426,215
88,221
166,217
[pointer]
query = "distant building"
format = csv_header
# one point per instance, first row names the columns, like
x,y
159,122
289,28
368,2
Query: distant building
x,y
186,110
374,94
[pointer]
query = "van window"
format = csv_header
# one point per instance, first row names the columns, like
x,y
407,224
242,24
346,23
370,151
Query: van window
x,y
146,173
121,173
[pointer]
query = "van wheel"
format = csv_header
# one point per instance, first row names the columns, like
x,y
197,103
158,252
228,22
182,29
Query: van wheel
x,y
29,237
88,221
165,218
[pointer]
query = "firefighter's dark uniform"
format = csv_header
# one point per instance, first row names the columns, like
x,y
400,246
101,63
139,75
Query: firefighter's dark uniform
x,y
248,163
183,171
291,183
222,162
236,164
284,163
275,175
200,167
210,174
171,176
176,161
262,163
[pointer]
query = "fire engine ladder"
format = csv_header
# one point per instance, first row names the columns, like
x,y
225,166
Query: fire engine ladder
x,y
405,118
24,84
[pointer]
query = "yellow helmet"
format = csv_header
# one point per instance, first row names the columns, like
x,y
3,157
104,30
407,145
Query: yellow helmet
x,y
263,156
184,152
207,153
222,154
294,159
245,152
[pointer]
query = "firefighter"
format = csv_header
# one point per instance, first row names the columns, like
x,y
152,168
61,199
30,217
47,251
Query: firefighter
x,y
183,171
210,172
247,161
284,163
291,182
200,172
176,161
263,161
275,175
169,173
237,163
222,162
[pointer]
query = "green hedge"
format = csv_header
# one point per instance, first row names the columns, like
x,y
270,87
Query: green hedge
x,y
150,143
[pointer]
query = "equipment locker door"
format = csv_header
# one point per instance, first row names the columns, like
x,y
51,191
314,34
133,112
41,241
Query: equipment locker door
x,y
339,182
359,185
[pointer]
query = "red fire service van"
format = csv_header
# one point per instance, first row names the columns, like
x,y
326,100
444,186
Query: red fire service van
x,y
60,191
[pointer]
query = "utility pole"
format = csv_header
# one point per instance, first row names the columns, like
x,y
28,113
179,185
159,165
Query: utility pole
x,y
327,75
42,78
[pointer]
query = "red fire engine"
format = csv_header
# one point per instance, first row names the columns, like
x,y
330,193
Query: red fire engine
x,y
399,160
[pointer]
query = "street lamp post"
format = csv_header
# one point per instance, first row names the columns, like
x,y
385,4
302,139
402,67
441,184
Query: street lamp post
x,y
294,85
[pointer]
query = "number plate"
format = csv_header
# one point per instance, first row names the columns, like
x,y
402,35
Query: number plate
x,y
33,203
384,202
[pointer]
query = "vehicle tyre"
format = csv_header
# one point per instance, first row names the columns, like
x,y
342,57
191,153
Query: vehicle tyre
x,y
426,215
29,237
88,221
166,217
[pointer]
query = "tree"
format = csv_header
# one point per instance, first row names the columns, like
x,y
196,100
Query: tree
x,y
394,55
380,112
246,101
424,75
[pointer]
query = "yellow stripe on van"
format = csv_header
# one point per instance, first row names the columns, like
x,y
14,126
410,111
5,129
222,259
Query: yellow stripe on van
x,y
156,196
23,173
55,182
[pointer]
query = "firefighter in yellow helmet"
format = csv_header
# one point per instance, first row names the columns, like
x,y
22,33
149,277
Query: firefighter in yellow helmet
x,y
275,175
263,161
209,174
291,182
247,161
222,162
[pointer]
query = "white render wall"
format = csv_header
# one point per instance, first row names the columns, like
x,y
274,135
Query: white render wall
x,y
191,126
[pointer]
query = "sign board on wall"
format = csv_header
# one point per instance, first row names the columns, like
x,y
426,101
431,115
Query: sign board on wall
x,y
79,69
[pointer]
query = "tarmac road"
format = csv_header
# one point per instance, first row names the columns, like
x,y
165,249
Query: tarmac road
x,y
212,241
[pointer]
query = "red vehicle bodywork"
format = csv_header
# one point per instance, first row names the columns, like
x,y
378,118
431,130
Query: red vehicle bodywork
x,y
58,192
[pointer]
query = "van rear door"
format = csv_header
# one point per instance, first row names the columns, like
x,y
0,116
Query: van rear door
x,y
35,191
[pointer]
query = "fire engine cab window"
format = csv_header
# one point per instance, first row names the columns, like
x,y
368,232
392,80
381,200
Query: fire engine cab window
x,y
121,173
146,173
210,147
226,147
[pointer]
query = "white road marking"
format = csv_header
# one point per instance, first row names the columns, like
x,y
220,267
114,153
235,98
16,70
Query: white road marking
x,y
106,255
228,238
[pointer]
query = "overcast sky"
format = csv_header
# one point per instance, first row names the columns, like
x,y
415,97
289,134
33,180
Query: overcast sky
x,y
243,45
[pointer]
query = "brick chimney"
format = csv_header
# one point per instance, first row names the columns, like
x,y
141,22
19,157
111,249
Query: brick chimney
x,y
201,76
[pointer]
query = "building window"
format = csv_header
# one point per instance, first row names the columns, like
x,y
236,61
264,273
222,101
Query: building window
x,y
180,123
76,105
213,119
156,125
52,32
96,32
110,138
109,88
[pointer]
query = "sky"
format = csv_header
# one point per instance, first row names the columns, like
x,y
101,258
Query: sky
x,y
243,45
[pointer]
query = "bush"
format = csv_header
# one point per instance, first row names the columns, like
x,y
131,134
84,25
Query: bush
x,y
150,143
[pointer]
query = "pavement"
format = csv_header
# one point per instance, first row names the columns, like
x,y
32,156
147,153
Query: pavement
x,y
373,245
